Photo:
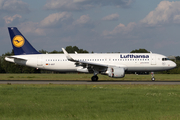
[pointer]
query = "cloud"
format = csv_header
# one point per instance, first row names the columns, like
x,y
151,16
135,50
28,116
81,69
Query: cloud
x,y
56,19
84,19
56,23
9,19
120,29
146,33
14,6
31,28
84,22
165,13
111,17
79,5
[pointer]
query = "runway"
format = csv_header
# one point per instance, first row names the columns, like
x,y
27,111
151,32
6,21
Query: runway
x,y
85,82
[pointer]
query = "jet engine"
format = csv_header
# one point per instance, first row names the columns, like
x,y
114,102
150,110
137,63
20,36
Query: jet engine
x,y
116,72
85,70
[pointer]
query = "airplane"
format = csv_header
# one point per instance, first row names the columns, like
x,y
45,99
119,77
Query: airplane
x,y
112,64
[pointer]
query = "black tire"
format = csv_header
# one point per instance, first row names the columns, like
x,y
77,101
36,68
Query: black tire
x,y
94,78
153,78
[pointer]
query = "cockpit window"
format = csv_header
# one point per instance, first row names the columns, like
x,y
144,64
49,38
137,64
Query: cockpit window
x,y
165,59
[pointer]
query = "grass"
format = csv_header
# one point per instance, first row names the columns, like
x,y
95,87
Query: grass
x,y
159,77
87,102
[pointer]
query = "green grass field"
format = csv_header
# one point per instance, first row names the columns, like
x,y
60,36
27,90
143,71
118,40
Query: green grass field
x,y
159,77
89,102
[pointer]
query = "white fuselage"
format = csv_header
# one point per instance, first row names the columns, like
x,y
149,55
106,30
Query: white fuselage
x,y
129,61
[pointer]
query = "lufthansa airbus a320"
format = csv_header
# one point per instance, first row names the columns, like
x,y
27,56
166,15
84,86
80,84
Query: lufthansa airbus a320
x,y
114,65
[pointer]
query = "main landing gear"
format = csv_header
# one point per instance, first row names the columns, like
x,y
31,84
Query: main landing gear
x,y
152,76
94,78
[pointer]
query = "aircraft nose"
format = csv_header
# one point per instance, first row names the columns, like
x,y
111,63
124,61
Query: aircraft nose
x,y
173,64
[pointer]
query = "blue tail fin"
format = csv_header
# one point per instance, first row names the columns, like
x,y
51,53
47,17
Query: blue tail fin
x,y
20,44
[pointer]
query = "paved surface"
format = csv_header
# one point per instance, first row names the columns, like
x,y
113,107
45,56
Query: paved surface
x,y
88,82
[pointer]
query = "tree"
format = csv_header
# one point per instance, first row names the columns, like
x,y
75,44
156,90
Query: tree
x,y
75,48
43,51
54,51
177,57
82,51
1,68
140,51
71,49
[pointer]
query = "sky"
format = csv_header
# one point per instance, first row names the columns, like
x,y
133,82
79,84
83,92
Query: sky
x,y
94,25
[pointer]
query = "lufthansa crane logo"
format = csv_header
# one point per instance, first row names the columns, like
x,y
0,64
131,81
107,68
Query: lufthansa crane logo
x,y
18,41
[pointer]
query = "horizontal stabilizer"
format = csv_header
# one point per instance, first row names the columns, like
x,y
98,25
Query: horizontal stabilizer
x,y
16,57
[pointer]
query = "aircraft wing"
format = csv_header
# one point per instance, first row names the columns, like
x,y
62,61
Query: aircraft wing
x,y
85,62
93,64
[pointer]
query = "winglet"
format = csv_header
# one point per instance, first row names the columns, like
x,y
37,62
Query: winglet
x,y
68,56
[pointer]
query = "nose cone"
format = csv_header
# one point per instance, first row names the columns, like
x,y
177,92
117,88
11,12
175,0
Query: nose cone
x,y
173,65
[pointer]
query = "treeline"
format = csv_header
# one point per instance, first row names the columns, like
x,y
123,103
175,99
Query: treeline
x,y
7,67
69,49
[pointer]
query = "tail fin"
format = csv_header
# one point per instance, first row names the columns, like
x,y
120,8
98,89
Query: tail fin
x,y
20,44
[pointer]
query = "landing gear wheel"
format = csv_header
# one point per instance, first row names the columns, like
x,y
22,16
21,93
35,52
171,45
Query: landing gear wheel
x,y
94,78
153,78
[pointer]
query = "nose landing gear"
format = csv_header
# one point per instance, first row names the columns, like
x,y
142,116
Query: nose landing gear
x,y
152,76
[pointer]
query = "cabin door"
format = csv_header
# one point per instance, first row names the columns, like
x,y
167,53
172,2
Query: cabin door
x,y
39,61
153,60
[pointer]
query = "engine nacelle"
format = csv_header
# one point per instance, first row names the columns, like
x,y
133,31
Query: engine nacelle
x,y
85,70
116,72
